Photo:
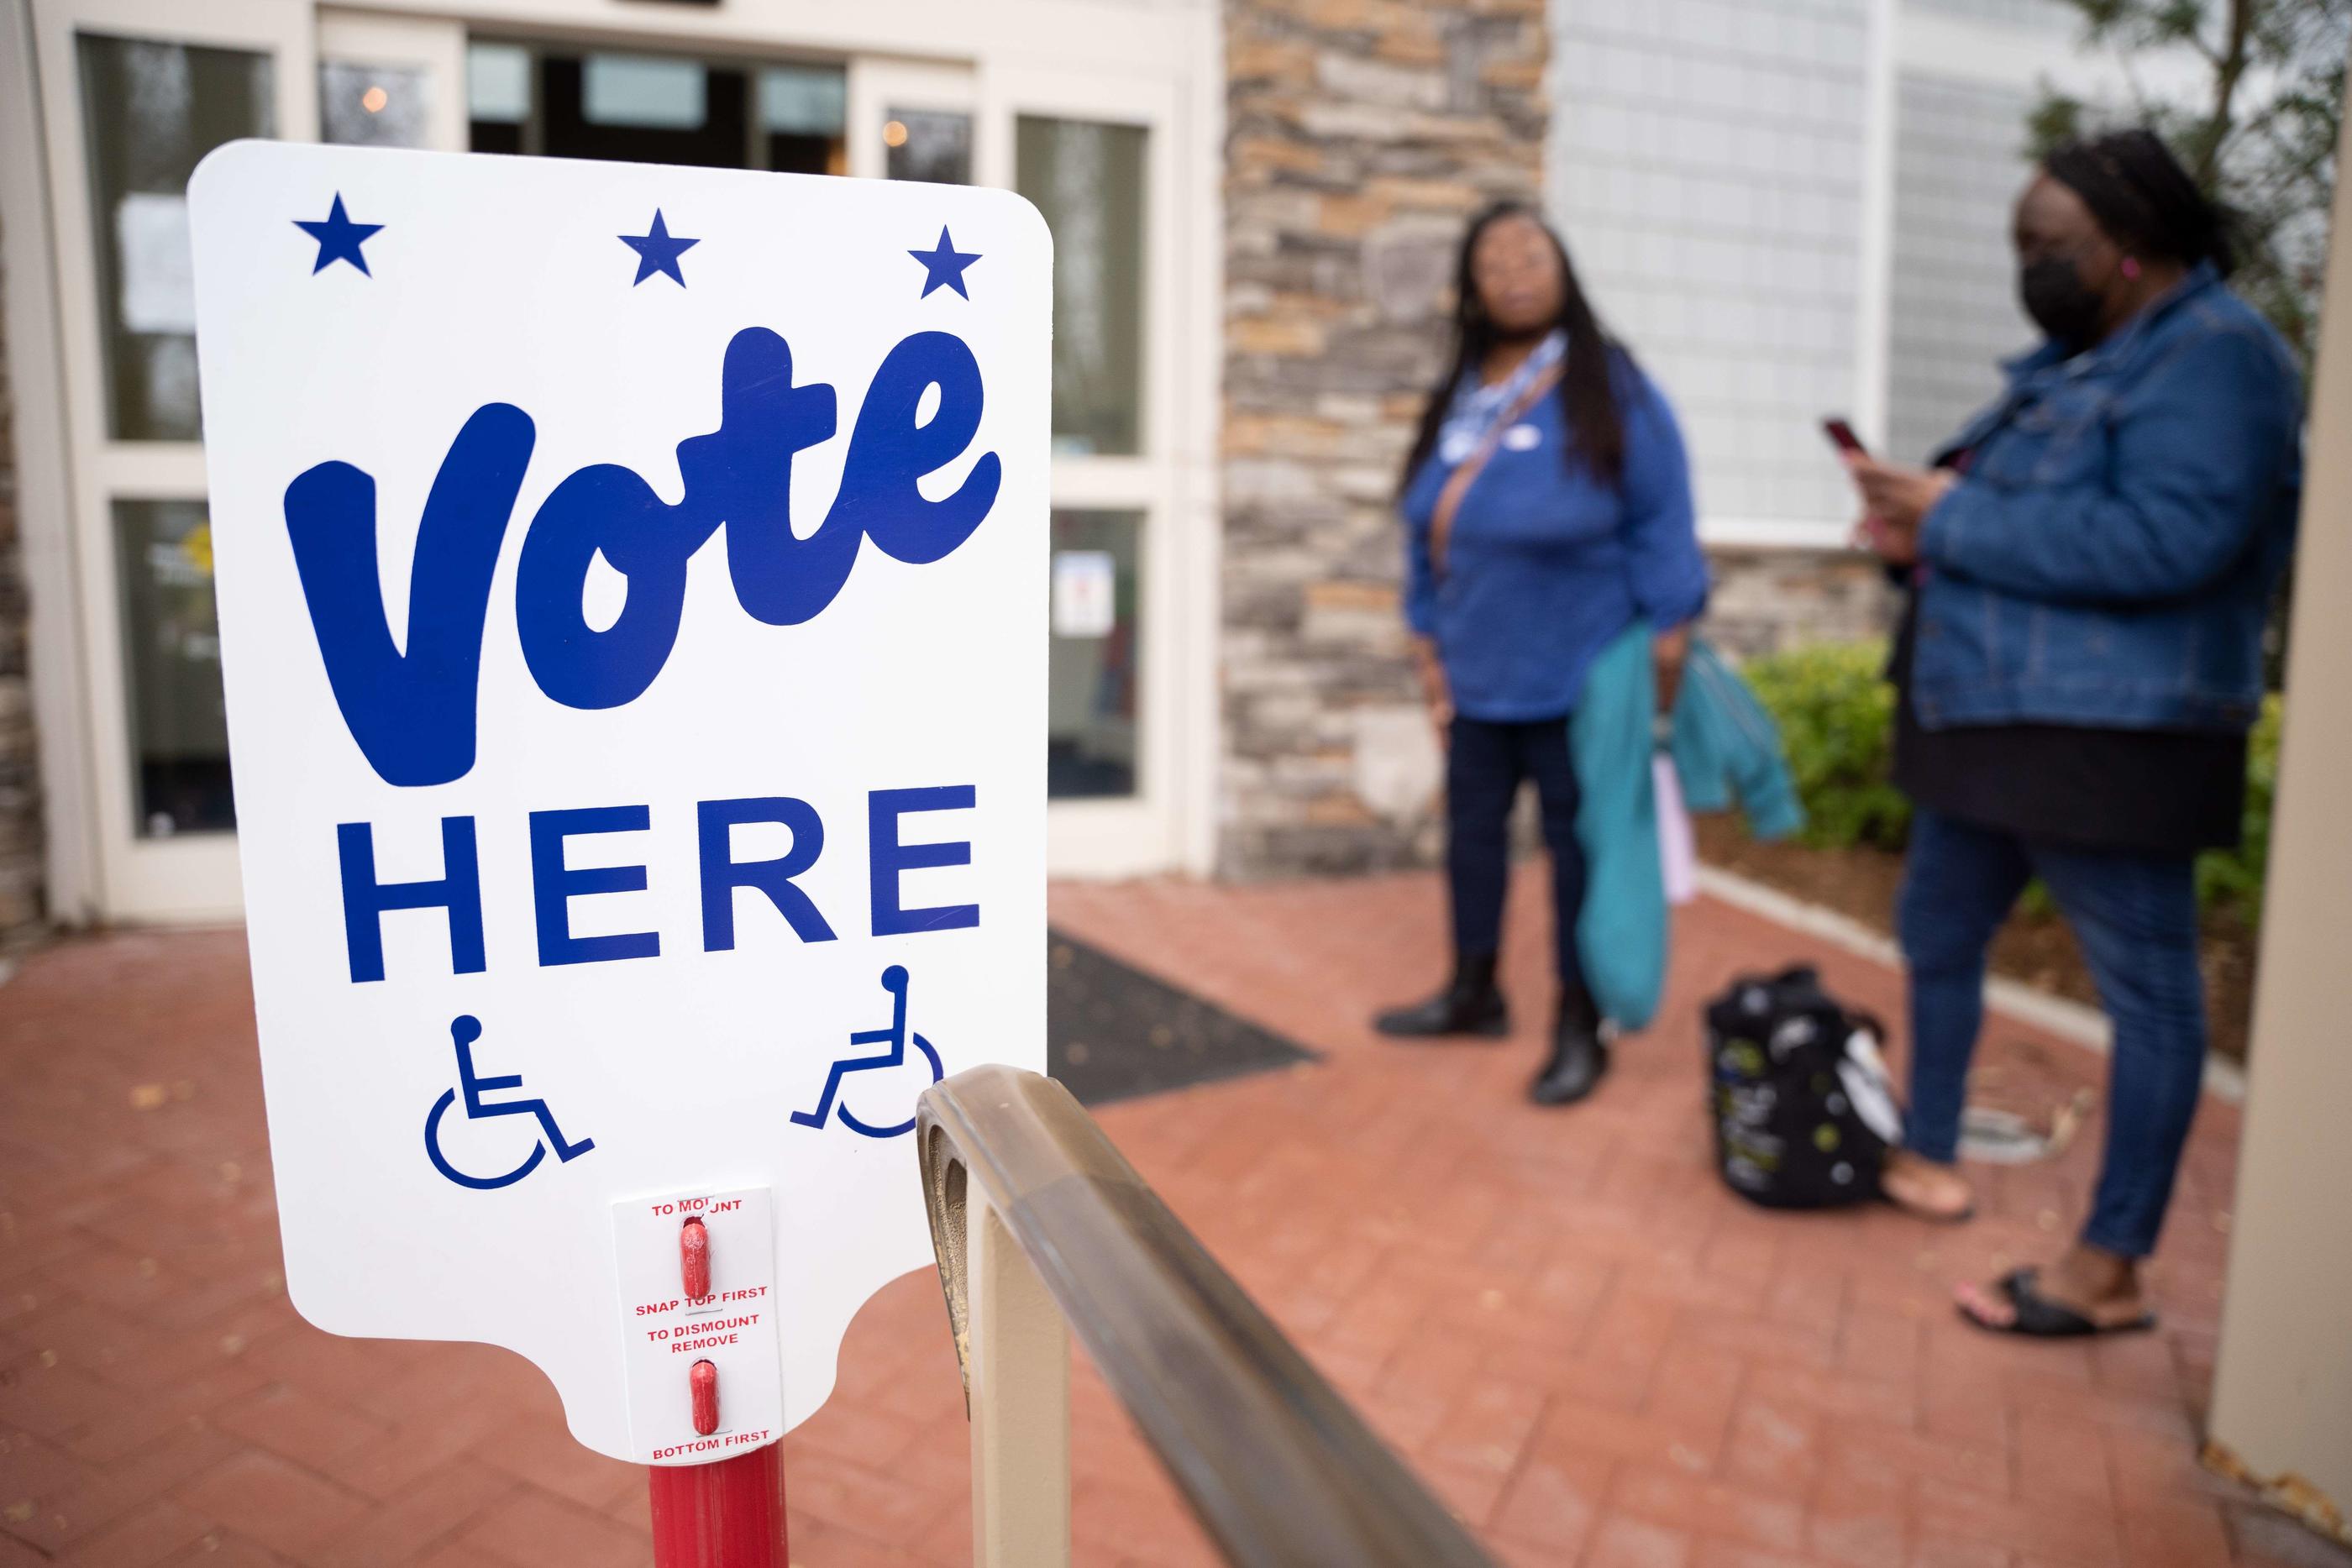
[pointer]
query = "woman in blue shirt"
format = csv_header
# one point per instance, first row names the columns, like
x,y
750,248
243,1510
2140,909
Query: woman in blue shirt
x,y
2092,560
1547,507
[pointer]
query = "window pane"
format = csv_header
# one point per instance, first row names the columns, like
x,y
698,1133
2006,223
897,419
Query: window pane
x,y
1087,180
374,105
804,116
171,663
498,83
803,101
1093,679
931,144
153,110
635,89
635,109
497,97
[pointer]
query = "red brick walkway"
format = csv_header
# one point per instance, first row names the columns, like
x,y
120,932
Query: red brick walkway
x,y
1596,1356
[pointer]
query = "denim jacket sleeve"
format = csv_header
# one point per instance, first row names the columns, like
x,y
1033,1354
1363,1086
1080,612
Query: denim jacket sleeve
x,y
1668,568
2183,486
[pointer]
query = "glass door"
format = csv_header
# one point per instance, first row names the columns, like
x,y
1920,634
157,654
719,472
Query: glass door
x,y
135,92
1095,156
911,122
392,81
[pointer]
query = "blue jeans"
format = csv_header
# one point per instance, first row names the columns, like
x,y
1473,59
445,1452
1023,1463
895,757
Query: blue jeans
x,y
2135,918
1485,763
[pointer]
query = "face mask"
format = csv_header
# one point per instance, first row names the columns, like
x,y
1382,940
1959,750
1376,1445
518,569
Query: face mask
x,y
2060,304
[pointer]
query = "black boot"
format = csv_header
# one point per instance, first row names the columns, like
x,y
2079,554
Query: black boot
x,y
1470,1005
1580,1057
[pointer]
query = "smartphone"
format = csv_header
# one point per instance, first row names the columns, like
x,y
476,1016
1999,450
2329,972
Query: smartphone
x,y
1841,436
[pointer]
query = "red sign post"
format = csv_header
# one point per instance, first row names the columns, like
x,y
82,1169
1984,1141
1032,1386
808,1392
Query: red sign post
x,y
729,1513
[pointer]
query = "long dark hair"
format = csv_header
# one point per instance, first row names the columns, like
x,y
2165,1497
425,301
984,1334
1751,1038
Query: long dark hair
x,y
2144,199
1588,391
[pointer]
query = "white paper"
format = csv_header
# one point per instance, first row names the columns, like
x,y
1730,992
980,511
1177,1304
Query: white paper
x,y
1085,603
158,291
1677,845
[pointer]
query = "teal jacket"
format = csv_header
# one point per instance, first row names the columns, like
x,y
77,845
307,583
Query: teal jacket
x,y
1724,744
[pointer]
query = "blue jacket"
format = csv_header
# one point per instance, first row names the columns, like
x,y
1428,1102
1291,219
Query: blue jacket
x,y
2108,559
1723,744
1545,564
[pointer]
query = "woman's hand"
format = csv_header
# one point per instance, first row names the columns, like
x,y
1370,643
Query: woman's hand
x,y
1434,689
1895,501
1668,649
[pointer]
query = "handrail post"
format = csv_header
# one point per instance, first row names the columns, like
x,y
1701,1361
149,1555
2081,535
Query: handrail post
x,y
1018,1381
1043,1232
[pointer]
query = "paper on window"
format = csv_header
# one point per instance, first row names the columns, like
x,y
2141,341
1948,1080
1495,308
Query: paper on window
x,y
1085,601
151,235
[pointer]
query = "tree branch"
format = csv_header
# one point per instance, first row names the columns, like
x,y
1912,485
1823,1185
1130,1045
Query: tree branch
x,y
2227,70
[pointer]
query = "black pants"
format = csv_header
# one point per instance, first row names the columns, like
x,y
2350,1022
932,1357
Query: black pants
x,y
1485,766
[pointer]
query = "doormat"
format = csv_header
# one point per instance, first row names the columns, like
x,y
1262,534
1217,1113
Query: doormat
x,y
1114,1032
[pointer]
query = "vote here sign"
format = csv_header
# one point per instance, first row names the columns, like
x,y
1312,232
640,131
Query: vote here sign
x,y
633,601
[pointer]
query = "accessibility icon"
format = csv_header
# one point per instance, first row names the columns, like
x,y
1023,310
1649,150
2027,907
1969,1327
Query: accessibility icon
x,y
464,1030
894,980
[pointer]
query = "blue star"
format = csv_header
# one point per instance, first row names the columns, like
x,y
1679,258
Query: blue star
x,y
657,252
339,238
945,265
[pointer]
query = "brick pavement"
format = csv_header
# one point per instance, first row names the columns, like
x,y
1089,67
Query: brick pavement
x,y
1592,1352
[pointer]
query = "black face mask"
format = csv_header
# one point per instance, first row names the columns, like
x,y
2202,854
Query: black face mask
x,y
2060,304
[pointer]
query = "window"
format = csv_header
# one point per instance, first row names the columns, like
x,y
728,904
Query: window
x,y
497,97
1087,180
928,144
803,112
1093,672
655,109
151,111
362,105
171,662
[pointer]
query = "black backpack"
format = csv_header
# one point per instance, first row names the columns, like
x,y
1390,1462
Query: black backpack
x,y
1803,1109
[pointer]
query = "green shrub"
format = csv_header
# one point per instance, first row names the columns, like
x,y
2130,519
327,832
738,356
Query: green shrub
x,y
1836,715
2231,881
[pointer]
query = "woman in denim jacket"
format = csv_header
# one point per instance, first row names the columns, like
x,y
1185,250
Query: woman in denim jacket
x,y
2091,561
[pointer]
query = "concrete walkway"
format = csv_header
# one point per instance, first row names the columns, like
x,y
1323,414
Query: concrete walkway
x,y
1597,1355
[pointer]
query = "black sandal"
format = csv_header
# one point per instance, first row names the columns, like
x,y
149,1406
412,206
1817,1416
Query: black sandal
x,y
2039,1317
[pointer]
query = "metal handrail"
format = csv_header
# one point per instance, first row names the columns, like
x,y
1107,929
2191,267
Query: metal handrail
x,y
1275,1464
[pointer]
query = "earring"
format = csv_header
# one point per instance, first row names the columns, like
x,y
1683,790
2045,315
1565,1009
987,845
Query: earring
x,y
2131,267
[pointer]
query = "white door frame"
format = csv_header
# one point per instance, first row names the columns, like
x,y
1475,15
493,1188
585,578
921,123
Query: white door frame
x,y
44,480
1143,833
193,876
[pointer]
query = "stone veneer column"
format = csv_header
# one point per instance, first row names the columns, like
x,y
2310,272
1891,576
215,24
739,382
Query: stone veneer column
x,y
1362,135
20,793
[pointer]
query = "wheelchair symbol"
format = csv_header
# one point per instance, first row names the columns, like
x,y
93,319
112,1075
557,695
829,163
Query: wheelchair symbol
x,y
464,1032
894,980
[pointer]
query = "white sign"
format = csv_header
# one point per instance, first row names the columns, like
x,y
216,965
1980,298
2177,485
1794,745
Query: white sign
x,y
635,658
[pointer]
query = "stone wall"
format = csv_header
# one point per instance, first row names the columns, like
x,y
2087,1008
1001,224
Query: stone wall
x,y
1362,135
20,794
1767,600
